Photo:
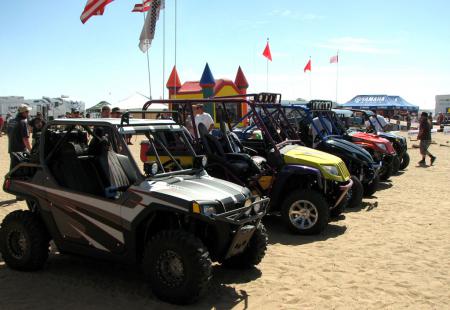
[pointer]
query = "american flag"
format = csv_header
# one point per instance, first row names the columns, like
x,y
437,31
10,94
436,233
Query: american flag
x,y
142,7
148,31
334,59
93,7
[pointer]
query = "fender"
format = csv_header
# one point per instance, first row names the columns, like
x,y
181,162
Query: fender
x,y
297,171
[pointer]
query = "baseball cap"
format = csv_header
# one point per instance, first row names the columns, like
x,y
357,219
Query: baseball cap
x,y
23,108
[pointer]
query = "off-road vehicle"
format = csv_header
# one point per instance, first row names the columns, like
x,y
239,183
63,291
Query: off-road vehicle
x,y
308,117
380,148
305,186
86,193
401,161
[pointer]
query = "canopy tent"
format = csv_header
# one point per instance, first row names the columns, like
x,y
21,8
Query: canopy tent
x,y
98,107
380,102
136,101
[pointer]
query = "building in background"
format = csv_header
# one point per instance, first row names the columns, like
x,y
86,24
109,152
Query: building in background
x,y
49,107
442,104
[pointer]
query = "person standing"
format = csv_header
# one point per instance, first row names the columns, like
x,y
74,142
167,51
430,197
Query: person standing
x,y
202,117
105,112
36,125
2,122
116,113
425,139
18,134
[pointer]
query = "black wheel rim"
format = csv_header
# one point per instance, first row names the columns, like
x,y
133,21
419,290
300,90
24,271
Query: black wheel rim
x,y
170,268
17,244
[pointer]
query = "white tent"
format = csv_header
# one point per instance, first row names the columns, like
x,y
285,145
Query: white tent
x,y
136,102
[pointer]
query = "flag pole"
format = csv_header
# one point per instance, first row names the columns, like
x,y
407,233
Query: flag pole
x,y
164,55
310,79
175,49
267,71
337,75
148,69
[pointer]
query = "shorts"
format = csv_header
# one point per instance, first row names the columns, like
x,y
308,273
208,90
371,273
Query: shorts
x,y
424,145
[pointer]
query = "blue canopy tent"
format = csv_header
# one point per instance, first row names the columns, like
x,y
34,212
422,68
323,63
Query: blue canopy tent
x,y
380,102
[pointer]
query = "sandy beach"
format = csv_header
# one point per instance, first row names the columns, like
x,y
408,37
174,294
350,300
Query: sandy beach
x,y
393,252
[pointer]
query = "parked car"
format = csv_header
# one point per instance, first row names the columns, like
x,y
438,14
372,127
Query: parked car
x,y
86,193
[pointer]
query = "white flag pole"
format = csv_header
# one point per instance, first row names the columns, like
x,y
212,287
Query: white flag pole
x,y
337,75
310,79
267,70
175,52
148,66
164,55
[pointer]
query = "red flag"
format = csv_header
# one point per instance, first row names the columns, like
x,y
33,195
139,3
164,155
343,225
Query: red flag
x,y
93,7
308,66
267,53
148,31
142,7
334,59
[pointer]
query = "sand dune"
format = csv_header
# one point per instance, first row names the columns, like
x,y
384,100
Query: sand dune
x,y
393,252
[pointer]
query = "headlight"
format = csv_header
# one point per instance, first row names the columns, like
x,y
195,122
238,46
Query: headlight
x,y
381,146
206,209
331,170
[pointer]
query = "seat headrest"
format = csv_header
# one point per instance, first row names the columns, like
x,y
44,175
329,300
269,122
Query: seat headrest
x,y
202,130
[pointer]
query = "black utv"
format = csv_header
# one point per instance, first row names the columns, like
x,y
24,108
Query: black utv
x,y
86,193
310,117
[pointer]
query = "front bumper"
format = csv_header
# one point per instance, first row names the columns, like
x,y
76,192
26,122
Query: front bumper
x,y
247,219
344,190
244,215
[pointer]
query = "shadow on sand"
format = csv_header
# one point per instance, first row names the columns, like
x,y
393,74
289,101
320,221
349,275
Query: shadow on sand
x,y
278,233
365,205
384,185
77,282
6,203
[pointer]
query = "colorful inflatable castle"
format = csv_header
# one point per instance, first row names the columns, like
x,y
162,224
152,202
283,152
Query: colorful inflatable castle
x,y
208,87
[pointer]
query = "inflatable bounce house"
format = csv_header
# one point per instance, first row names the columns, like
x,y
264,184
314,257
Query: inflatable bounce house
x,y
208,87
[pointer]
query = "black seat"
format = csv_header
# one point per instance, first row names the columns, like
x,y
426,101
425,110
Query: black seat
x,y
75,174
240,164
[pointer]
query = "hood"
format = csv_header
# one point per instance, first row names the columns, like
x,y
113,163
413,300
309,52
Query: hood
x,y
197,188
369,137
392,136
372,138
295,154
343,148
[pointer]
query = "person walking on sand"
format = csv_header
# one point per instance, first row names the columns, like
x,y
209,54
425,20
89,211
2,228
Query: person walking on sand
x,y
2,122
425,139
18,134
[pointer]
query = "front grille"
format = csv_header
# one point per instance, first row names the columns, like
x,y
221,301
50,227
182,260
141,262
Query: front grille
x,y
343,169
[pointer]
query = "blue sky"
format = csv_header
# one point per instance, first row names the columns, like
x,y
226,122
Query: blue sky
x,y
385,47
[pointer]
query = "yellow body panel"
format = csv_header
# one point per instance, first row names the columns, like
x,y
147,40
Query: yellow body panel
x,y
185,161
309,157
227,90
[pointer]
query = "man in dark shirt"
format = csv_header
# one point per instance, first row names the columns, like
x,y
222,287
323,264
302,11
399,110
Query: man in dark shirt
x,y
425,138
36,125
18,134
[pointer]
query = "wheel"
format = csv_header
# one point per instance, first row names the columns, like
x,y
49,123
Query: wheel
x,y
24,241
305,212
178,266
405,161
395,164
371,188
386,172
254,252
356,193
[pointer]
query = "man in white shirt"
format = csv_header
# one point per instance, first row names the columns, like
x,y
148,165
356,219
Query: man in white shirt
x,y
380,125
325,131
202,117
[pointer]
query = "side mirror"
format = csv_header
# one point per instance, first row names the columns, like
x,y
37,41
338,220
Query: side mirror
x,y
200,162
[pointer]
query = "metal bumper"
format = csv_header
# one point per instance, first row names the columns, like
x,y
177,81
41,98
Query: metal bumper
x,y
241,216
344,189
